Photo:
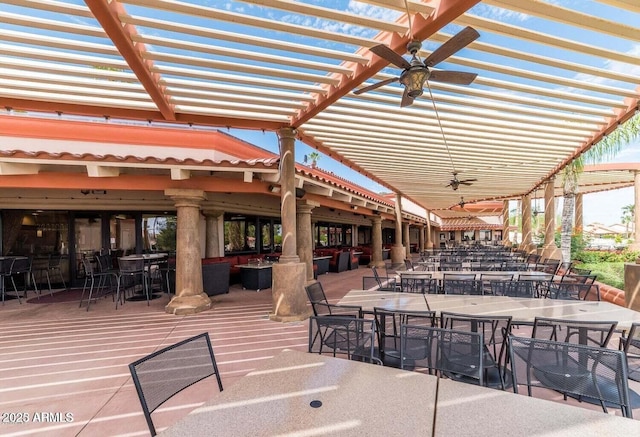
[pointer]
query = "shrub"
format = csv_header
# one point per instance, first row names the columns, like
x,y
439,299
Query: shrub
x,y
603,256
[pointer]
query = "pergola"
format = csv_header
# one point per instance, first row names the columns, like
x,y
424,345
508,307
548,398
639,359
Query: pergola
x,y
552,79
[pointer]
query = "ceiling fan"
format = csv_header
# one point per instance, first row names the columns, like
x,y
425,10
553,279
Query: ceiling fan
x,y
461,204
455,183
416,72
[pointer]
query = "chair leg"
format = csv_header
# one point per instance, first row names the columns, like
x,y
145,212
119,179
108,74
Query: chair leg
x,y
16,290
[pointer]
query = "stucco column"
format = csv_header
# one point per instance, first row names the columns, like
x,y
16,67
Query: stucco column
x,y
354,235
429,232
398,253
550,250
289,274
527,232
421,233
376,242
213,240
189,298
305,236
505,224
407,239
579,214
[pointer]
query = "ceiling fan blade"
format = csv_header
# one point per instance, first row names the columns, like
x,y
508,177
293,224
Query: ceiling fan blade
x,y
467,181
457,42
391,56
407,100
376,85
455,77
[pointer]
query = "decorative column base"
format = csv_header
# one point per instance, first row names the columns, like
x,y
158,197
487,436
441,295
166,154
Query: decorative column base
x,y
379,264
552,251
192,304
289,297
398,254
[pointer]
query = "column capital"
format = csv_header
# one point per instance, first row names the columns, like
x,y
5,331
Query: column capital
x,y
376,219
306,206
186,196
287,132
212,213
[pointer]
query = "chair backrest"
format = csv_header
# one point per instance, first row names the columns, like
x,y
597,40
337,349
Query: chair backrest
x,y
462,286
450,266
513,288
88,267
349,337
493,328
55,260
454,354
318,299
408,264
388,328
573,291
580,279
592,333
424,284
579,271
571,369
630,344
131,266
164,373
21,265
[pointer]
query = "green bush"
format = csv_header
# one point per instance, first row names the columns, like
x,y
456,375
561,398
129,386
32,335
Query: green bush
x,y
610,273
603,256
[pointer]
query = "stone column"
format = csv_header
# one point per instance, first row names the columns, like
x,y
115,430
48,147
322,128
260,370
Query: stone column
x,y
289,274
421,233
429,232
636,225
505,224
407,239
189,298
305,237
354,235
398,252
212,241
550,250
527,232
579,214
376,242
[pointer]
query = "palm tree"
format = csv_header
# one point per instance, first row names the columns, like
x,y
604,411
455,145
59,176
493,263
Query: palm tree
x,y
628,217
606,148
314,157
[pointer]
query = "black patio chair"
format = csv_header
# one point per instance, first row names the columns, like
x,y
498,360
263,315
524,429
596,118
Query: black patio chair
x,y
461,286
494,330
163,374
99,283
580,371
592,333
322,307
388,331
349,337
573,291
630,343
449,353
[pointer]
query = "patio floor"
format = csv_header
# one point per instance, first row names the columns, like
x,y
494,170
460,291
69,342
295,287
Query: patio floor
x,y
65,369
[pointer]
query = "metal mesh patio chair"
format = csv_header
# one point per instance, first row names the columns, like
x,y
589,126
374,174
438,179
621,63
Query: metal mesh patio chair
x,y
452,285
573,291
630,344
163,374
21,268
592,333
494,330
100,283
349,337
322,307
132,273
584,372
388,331
454,354
5,276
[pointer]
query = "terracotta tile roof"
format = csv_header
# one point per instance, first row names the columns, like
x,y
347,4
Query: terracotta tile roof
x,y
468,224
130,159
340,182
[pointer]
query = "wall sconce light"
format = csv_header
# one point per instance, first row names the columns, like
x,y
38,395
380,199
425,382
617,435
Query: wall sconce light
x,y
85,192
274,189
39,233
354,207
300,193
